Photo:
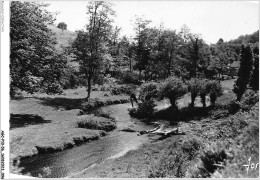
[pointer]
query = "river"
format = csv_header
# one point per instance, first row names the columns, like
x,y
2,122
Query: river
x,y
79,158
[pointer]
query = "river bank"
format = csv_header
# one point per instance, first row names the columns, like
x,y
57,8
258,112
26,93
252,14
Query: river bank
x,y
43,123
207,142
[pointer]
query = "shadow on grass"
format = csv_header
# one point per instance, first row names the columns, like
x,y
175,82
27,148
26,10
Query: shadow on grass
x,y
22,120
183,114
65,103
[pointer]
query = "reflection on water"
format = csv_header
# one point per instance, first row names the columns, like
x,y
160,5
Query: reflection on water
x,y
70,161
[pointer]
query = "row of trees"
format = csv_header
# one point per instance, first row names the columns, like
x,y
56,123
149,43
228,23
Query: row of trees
x,y
174,88
155,52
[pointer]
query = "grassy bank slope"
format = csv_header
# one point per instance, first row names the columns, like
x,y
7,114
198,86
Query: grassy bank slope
x,y
212,147
43,123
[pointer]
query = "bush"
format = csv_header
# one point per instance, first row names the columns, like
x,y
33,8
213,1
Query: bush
x,y
95,88
105,87
249,99
234,107
214,89
176,160
173,89
144,109
129,77
122,89
98,123
226,99
148,91
213,157
53,88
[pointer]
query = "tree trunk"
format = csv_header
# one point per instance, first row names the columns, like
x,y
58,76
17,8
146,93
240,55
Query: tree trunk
x,y
173,103
193,97
130,64
140,71
203,100
89,87
145,76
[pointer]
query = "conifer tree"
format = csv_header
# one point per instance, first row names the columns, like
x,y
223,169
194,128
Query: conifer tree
x,y
244,71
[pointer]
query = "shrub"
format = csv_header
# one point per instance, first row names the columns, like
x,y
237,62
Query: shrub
x,y
194,87
148,91
95,88
129,77
234,107
99,123
105,87
122,89
226,99
214,89
53,88
173,89
249,99
144,109
176,160
212,157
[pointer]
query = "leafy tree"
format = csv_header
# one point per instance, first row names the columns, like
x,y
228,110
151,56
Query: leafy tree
x,y
173,89
34,61
62,25
194,87
169,47
142,51
191,50
91,46
244,71
254,81
248,38
148,91
126,50
203,92
214,89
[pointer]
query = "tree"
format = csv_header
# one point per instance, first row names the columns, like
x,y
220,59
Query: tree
x,y
142,51
254,80
214,89
244,71
203,92
148,91
91,46
126,51
169,46
191,50
194,87
62,25
173,89
34,61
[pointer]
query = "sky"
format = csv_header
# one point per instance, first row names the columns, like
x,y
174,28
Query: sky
x,y
211,19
